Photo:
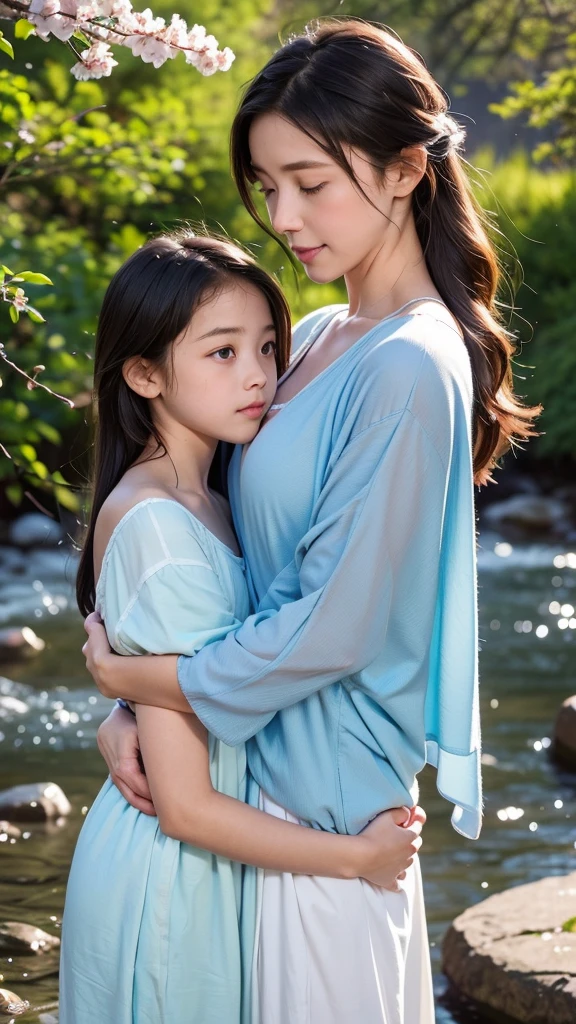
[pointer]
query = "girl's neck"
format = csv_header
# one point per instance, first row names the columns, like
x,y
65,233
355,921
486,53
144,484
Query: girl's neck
x,y
390,276
185,463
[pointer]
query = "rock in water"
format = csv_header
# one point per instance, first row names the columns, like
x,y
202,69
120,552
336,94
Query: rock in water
x,y
11,706
11,1005
515,953
564,742
533,511
6,829
35,528
16,644
20,939
38,801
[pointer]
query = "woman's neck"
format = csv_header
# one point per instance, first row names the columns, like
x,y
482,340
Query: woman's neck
x,y
389,276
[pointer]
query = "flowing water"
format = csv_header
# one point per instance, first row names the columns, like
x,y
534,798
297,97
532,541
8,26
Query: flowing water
x,y
528,633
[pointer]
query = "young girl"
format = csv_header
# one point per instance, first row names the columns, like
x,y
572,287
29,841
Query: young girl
x,y
354,507
190,339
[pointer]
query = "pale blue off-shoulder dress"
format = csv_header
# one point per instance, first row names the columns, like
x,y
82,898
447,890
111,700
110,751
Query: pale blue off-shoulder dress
x,y
151,930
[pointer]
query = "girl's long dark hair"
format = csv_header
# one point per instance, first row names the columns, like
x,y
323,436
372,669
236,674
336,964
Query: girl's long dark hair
x,y
347,83
147,305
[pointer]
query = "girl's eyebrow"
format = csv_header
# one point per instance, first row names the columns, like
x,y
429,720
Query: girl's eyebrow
x,y
231,330
298,165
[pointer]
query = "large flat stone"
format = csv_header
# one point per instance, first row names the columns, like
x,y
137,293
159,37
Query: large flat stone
x,y
35,801
510,953
20,939
564,740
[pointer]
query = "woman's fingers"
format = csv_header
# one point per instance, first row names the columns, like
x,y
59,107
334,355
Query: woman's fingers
x,y
139,802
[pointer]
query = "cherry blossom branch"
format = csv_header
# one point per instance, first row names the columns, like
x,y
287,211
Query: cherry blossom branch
x,y
32,382
113,22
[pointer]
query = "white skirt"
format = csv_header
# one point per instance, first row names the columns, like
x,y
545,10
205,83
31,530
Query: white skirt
x,y
336,951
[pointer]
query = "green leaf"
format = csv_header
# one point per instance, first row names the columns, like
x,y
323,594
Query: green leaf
x,y
10,273
14,315
6,47
14,493
40,469
81,36
32,278
23,29
47,431
28,451
67,498
34,315
569,925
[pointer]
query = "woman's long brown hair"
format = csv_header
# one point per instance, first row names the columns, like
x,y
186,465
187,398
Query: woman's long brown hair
x,y
347,83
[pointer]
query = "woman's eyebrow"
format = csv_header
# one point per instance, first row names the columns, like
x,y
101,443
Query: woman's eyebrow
x,y
298,165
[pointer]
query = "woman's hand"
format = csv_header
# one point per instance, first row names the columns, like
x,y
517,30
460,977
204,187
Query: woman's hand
x,y
120,748
148,679
391,841
98,654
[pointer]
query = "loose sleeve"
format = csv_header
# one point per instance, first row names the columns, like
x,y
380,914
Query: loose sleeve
x,y
160,591
386,577
177,610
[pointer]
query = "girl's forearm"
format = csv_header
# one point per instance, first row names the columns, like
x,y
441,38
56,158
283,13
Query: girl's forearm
x,y
151,680
242,833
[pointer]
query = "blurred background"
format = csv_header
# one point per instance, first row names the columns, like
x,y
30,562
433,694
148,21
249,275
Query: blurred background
x,y
87,172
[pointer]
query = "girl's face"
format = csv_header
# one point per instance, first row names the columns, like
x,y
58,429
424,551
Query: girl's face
x,y
221,378
331,227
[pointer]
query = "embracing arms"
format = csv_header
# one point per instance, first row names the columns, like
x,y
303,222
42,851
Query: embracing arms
x,y
175,752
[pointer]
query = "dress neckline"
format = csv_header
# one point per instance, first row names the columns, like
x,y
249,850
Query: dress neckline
x,y
150,501
325,322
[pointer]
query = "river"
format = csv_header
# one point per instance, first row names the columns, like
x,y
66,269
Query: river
x,y
527,668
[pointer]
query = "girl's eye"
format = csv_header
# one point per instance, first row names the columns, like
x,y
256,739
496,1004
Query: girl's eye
x,y
313,191
269,348
224,353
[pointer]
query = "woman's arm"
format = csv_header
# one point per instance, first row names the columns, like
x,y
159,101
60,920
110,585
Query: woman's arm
x,y
175,751
368,567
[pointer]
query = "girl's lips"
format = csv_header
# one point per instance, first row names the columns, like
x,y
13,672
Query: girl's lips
x,y
254,412
306,255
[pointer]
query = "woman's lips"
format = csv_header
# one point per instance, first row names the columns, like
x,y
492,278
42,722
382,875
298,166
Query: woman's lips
x,y
306,255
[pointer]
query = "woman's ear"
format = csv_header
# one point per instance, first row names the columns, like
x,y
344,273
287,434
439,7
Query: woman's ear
x,y
142,377
408,171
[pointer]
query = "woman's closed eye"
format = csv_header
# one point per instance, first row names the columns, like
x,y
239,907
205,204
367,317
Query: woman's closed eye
x,y
313,190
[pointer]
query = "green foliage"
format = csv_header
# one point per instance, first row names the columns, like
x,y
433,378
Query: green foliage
x,y
536,211
89,170
461,39
551,104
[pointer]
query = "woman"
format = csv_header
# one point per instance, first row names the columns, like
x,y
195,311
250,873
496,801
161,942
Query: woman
x,y
191,337
354,507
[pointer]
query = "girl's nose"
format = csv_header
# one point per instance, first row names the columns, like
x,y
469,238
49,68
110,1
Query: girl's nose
x,y
255,375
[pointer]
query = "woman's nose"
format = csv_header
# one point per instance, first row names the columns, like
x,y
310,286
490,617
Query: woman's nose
x,y
284,215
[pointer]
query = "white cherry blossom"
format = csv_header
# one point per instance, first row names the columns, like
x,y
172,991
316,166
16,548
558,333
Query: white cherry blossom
x,y
114,22
97,62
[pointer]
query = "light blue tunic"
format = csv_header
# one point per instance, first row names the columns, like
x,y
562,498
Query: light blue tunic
x,y
354,508
151,930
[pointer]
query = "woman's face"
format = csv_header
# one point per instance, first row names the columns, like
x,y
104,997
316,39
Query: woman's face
x,y
331,227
